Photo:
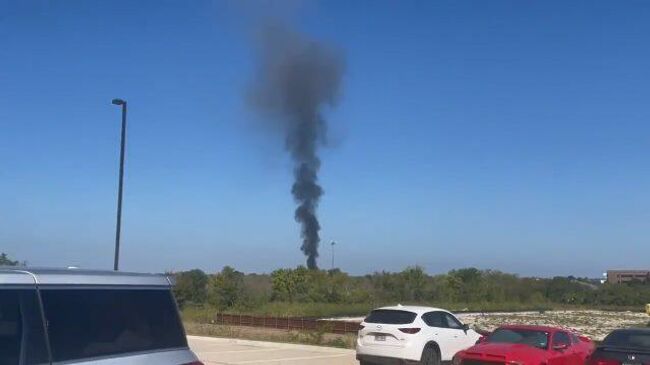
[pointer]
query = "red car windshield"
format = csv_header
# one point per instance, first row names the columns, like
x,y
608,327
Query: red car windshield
x,y
533,338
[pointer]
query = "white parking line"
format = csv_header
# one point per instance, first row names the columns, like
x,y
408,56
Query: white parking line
x,y
288,359
238,351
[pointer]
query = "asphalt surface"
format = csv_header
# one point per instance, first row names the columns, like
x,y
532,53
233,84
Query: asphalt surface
x,y
213,351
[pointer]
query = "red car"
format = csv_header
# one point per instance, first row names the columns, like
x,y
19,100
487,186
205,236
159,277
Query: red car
x,y
527,345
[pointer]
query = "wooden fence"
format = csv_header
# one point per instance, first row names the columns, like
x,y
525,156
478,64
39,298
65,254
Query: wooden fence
x,y
287,323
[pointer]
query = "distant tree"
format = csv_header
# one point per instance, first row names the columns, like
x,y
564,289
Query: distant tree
x,y
453,287
342,289
288,284
567,291
622,295
191,287
467,275
316,286
385,286
466,287
413,282
226,289
6,261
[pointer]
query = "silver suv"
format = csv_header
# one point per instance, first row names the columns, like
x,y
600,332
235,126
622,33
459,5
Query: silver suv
x,y
73,316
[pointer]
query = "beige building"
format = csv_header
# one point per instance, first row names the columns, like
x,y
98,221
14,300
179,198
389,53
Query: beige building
x,y
624,276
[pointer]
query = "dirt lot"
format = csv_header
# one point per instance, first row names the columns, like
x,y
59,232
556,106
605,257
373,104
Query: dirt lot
x,y
593,323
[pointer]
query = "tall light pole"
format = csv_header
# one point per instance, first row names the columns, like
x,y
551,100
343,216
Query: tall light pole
x,y
332,244
118,225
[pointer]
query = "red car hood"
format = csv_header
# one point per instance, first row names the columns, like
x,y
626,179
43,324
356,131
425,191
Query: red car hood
x,y
503,352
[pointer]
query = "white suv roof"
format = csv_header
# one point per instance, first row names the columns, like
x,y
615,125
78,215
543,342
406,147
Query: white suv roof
x,y
414,308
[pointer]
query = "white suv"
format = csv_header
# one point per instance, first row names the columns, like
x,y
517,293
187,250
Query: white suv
x,y
409,334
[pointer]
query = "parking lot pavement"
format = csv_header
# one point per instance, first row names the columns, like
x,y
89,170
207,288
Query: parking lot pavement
x,y
230,351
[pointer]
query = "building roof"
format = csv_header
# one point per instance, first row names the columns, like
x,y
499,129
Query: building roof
x,y
623,271
13,275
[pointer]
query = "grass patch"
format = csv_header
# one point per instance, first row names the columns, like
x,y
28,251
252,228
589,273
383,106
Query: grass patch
x,y
205,314
316,338
318,310
198,314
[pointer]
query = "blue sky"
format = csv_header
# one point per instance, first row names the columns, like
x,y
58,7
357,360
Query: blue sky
x,y
504,134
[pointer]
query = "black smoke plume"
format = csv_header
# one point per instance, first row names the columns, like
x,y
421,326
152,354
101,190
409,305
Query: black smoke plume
x,y
296,79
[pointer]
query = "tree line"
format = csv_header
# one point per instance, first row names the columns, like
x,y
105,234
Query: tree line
x,y
6,261
467,288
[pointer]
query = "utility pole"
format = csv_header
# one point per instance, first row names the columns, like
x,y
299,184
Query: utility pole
x,y
332,245
118,225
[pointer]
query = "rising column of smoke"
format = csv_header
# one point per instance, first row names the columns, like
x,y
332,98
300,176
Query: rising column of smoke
x,y
296,78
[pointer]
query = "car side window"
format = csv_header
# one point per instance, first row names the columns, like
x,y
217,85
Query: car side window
x,y
452,322
561,338
87,323
434,319
22,333
574,338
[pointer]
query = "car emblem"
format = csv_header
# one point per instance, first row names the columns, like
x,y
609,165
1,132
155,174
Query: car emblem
x,y
378,326
631,357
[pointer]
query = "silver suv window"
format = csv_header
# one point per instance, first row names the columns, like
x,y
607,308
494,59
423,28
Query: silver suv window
x,y
88,323
22,339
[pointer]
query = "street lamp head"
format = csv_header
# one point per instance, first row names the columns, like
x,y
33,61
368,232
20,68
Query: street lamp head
x,y
118,102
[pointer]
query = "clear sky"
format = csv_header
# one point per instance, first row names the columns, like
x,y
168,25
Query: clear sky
x,y
511,135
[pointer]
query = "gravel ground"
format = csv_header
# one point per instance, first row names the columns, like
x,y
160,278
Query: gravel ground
x,y
592,323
